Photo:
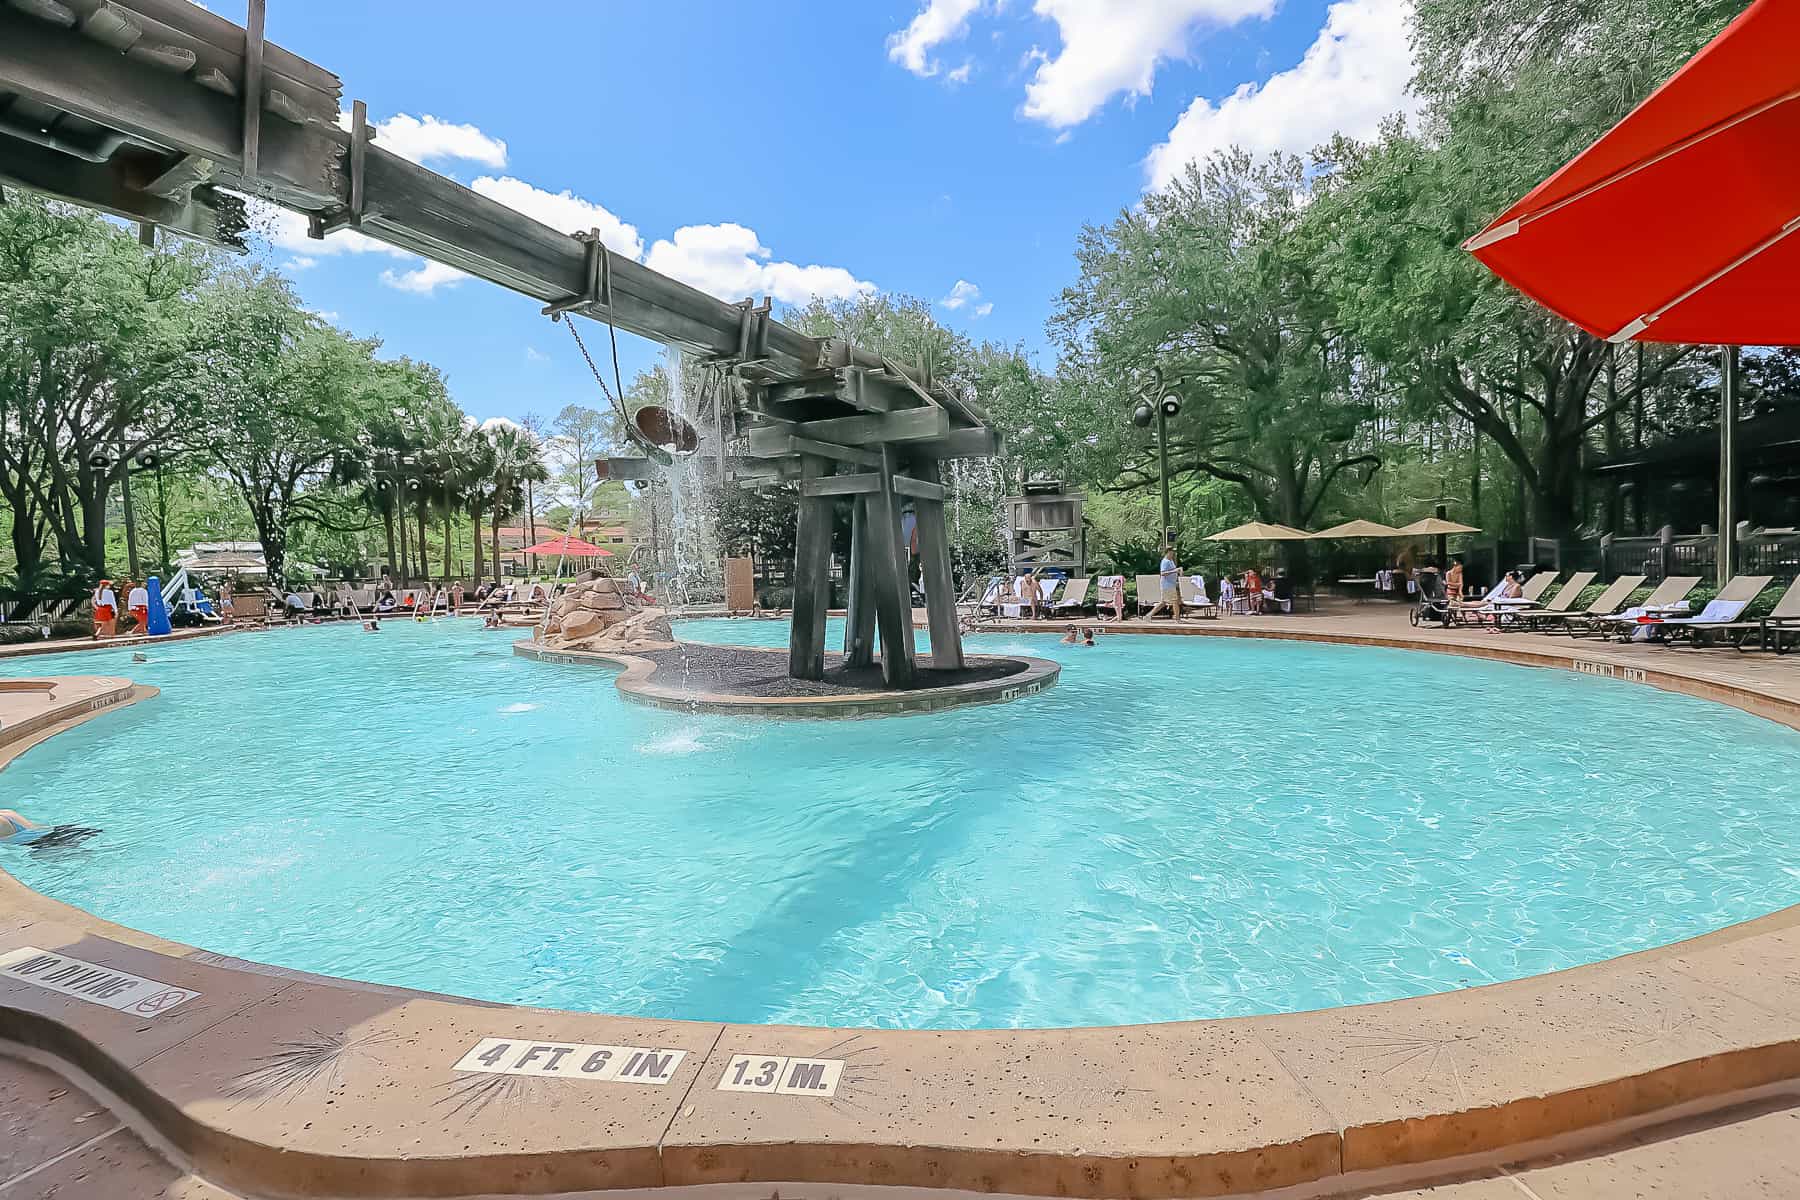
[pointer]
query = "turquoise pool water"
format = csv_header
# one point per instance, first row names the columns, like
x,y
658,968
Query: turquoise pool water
x,y
1182,828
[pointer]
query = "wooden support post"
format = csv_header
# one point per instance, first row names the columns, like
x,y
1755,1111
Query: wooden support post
x,y
934,558
893,592
812,577
253,89
859,615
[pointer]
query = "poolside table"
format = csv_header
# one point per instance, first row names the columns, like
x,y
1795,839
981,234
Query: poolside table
x,y
1353,588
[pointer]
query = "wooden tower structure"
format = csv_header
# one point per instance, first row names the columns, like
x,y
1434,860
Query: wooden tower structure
x,y
164,113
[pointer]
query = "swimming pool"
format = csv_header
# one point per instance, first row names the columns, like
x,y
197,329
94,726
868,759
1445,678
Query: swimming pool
x,y
1193,827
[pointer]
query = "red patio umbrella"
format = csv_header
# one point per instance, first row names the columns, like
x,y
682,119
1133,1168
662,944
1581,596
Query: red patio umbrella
x,y
1678,225
569,547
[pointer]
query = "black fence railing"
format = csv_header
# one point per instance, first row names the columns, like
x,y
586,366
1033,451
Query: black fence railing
x,y
1657,558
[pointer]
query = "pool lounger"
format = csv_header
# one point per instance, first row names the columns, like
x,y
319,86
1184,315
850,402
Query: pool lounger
x,y
1720,612
1493,613
1149,593
1672,590
1562,602
1782,622
1074,596
1193,596
1605,605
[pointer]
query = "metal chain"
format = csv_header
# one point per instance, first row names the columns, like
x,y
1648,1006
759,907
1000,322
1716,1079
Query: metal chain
x,y
600,379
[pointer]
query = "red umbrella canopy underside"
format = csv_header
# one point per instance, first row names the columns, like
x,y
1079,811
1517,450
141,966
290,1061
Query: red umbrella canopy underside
x,y
1680,224
573,547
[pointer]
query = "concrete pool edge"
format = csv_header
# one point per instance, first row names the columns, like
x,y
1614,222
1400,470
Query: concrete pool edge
x,y
282,1083
1652,664
637,682
298,1085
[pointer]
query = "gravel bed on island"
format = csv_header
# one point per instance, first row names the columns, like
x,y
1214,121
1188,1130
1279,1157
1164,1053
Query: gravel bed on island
x,y
740,671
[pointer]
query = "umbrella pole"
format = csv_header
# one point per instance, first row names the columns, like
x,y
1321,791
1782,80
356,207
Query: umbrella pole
x,y
1728,468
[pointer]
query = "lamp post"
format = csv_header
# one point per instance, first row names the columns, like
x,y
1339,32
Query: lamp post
x,y
1158,403
146,460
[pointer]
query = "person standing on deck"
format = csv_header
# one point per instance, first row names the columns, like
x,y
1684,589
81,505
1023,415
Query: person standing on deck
x,y
137,603
1171,586
106,611
456,598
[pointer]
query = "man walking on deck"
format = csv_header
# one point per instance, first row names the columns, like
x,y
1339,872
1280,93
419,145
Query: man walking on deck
x,y
1171,586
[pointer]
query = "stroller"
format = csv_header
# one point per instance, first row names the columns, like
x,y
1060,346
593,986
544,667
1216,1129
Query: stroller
x,y
1433,606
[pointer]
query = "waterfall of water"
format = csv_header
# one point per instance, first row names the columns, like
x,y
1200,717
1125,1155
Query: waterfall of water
x,y
696,575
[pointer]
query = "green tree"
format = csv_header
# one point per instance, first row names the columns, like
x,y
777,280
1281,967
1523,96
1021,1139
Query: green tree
x,y
1206,286
286,398
100,357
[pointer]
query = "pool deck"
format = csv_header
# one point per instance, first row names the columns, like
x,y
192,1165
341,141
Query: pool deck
x,y
1672,1072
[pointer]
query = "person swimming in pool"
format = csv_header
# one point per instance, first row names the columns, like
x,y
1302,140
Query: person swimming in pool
x,y
18,830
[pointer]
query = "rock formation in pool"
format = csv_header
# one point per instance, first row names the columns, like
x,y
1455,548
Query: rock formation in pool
x,y
598,614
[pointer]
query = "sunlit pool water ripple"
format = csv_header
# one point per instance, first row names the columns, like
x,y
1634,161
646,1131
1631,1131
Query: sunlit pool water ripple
x,y
1182,828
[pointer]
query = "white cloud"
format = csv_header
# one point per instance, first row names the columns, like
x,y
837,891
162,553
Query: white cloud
x,y
423,280
533,354
1108,48
327,315
493,423
730,262
300,262
961,74
1354,75
563,210
938,22
984,308
427,139
961,294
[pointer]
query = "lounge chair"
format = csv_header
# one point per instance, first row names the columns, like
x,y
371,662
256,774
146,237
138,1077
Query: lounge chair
x,y
1537,585
1149,593
1562,602
1605,605
1193,595
1720,612
1670,591
1782,622
1495,612
1074,597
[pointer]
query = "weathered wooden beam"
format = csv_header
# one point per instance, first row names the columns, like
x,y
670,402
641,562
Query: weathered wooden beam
x,y
934,567
812,576
100,186
842,485
777,442
810,388
918,489
859,605
909,425
887,578
962,443
863,389
62,69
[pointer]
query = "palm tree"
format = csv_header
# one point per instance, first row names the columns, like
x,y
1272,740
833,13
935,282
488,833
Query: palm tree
x,y
480,463
518,462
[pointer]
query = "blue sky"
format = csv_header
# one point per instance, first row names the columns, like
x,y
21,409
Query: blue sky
x,y
910,145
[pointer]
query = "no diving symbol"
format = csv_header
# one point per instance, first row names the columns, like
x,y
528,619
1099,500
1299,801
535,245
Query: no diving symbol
x,y
168,998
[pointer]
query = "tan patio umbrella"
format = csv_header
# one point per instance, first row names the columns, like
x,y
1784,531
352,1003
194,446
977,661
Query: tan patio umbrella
x,y
1261,531
1435,527
1359,529
1440,529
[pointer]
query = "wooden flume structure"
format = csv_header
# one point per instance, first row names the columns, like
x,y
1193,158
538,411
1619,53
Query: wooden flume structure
x,y
162,112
